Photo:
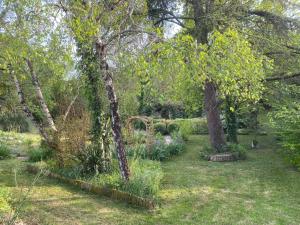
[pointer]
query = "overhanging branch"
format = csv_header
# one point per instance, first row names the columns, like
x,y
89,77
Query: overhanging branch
x,y
283,77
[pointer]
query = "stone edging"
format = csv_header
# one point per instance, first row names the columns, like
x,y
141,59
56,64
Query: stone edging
x,y
111,193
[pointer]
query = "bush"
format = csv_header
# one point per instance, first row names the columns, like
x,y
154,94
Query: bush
x,y
192,126
286,122
172,127
4,151
137,151
162,151
238,151
39,154
160,128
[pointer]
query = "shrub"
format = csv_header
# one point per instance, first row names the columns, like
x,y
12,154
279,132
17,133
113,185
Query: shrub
x,y
286,122
4,151
159,151
162,151
160,128
238,151
172,127
192,126
92,161
39,154
137,151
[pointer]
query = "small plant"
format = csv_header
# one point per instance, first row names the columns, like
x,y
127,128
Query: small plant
x,y
39,154
206,152
238,151
4,151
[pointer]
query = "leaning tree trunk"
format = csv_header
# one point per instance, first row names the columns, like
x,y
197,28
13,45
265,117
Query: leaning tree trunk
x,y
203,10
26,109
114,108
40,96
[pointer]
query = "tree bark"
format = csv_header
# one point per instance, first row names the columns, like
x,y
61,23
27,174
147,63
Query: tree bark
x,y
114,108
216,132
203,10
25,107
40,96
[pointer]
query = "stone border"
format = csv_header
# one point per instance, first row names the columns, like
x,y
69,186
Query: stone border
x,y
222,157
108,192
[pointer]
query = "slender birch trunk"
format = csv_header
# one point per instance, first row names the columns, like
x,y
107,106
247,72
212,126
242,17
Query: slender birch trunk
x,y
25,107
40,96
116,121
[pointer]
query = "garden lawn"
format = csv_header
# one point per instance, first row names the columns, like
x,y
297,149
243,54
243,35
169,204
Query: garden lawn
x,y
261,190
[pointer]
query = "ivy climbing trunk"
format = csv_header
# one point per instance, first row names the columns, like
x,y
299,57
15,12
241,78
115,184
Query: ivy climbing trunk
x,y
231,121
40,96
203,17
114,109
99,132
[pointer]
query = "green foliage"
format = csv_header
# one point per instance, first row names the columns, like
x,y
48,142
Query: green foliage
x,y
193,126
161,150
137,151
4,151
5,197
14,122
145,178
39,154
227,62
161,128
238,151
172,127
286,121
91,159
206,151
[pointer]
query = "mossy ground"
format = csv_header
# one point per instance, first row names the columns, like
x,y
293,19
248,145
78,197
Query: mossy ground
x,y
260,190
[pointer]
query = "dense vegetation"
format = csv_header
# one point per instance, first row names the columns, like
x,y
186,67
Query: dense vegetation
x,y
113,92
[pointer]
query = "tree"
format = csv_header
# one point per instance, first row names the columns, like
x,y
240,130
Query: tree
x,y
98,28
202,17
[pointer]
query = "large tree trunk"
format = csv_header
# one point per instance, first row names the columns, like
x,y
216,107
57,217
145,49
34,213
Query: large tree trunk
x,y
26,109
40,96
114,108
203,10
214,123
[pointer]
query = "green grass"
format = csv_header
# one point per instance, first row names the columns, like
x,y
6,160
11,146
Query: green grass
x,y
19,143
261,190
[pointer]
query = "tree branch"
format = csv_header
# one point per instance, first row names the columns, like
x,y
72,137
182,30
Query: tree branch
x,y
70,105
283,77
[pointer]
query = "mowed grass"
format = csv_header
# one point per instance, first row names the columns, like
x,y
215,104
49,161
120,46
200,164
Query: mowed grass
x,y
261,190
